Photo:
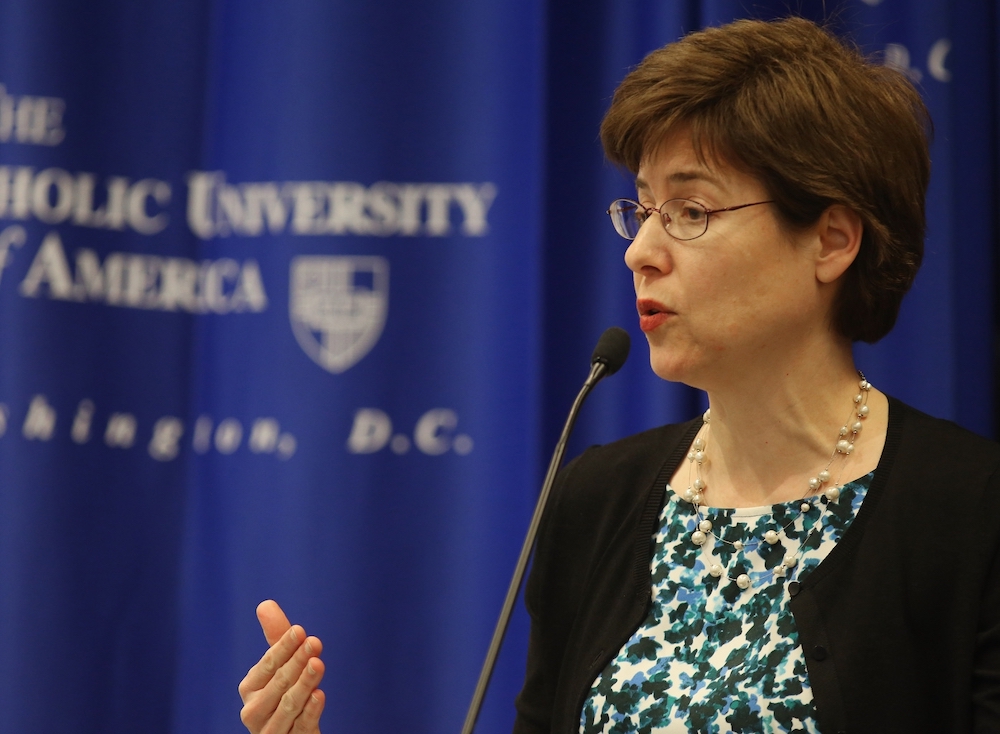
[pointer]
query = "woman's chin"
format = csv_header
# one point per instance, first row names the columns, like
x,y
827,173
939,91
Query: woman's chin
x,y
671,370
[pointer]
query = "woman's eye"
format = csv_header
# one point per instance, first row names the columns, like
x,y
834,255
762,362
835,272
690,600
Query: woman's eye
x,y
692,214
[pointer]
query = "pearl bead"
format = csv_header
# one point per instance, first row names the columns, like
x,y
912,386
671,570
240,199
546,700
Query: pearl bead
x,y
699,456
790,562
698,537
780,570
743,581
857,398
843,430
689,494
771,537
715,569
824,476
814,483
863,411
842,446
697,498
707,415
864,385
850,449
699,444
690,455
705,526
832,493
698,484
805,506
857,426
738,545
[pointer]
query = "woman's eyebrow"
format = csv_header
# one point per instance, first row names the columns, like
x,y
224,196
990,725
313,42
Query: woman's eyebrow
x,y
693,175
683,176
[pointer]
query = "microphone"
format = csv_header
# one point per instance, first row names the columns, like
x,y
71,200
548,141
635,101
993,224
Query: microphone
x,y
608,357
611,351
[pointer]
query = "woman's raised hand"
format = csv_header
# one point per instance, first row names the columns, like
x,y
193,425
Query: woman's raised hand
x,y
279,693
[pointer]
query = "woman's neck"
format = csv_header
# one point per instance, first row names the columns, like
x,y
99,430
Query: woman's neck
x,y
771,432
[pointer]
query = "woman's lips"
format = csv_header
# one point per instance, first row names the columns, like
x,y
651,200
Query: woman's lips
x,y
652,314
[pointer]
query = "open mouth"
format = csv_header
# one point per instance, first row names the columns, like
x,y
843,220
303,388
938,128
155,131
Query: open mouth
x,y
652,314
649,307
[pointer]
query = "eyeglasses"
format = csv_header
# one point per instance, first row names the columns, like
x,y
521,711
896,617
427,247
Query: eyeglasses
x,y
683,219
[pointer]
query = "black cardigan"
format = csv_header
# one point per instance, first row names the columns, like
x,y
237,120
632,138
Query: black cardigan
x,y
900,624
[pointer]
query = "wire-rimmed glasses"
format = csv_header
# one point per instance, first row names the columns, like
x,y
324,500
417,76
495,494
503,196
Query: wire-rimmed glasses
x,y
683,219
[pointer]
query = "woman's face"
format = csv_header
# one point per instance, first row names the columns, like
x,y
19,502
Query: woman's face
x,y
717,307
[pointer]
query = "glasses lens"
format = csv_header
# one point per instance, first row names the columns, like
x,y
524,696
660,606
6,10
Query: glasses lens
x,y
627,217
684,219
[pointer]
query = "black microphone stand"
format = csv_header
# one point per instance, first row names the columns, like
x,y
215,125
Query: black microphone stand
x,y
601,367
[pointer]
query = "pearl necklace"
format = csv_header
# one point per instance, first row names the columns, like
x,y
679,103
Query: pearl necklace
x,y
847,435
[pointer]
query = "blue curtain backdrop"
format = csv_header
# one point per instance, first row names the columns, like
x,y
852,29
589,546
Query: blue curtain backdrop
x,y
293,301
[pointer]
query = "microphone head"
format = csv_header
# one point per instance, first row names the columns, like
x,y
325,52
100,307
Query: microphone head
x,y
612,349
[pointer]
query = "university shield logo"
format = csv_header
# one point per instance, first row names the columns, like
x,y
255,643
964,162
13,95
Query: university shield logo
x,y
338,307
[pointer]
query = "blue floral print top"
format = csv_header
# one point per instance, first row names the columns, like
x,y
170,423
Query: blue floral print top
x,y
711,656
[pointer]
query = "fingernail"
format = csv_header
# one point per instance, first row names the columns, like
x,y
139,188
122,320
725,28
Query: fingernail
x,y
309,647
315,698
310,667
294,636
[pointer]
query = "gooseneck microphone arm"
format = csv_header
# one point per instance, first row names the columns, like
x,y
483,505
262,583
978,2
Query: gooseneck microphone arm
x,y
609,355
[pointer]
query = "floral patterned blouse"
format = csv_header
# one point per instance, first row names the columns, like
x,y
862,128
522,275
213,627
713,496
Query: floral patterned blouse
x,y
711,656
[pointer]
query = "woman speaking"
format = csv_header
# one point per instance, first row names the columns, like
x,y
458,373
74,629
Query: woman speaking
x,y
809,555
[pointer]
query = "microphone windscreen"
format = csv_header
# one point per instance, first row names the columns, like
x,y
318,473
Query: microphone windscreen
x,y
612,349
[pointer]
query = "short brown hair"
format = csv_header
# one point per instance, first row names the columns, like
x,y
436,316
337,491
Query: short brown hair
x,y
814,121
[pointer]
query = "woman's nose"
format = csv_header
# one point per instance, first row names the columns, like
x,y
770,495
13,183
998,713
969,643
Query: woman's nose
x,y
649,249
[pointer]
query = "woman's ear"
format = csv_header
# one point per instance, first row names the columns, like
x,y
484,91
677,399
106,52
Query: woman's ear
x,y
839,230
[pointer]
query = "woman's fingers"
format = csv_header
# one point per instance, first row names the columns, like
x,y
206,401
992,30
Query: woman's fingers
x,y
272,620
297,711
308,721
276,656
280,694
277,689
291,672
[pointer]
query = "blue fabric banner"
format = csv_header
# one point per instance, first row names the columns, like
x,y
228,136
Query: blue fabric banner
x,y
293,301
270,297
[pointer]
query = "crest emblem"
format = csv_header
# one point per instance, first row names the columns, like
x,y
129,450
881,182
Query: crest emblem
x,y
338,307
